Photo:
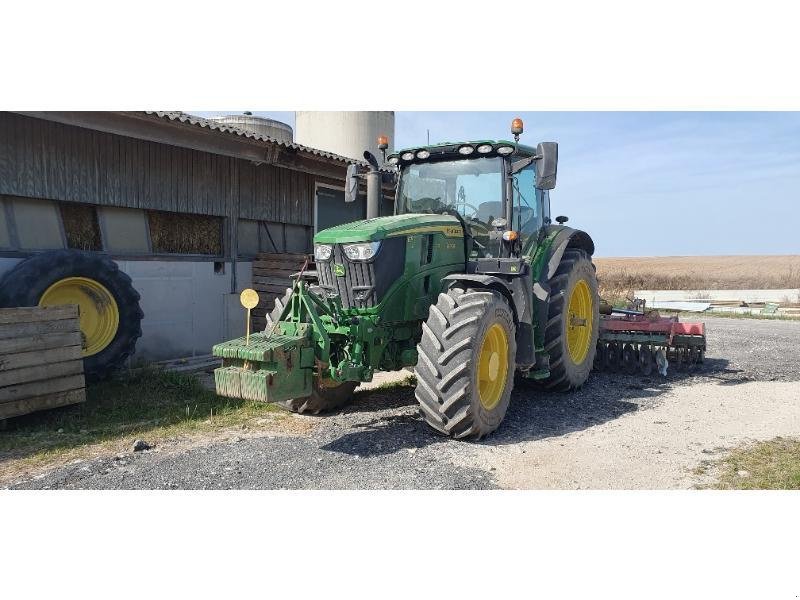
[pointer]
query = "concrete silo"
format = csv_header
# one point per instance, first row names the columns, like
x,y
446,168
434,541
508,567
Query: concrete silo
x,y
348,133
261,125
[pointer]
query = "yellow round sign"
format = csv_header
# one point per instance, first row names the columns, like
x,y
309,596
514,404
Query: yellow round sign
x,y
249,298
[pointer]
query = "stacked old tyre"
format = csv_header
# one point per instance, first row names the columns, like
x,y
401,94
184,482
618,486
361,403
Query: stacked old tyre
x,y
109,305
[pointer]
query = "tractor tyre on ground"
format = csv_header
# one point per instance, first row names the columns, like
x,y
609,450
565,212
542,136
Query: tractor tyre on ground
x,y
110,315
326,394
465,369
572,322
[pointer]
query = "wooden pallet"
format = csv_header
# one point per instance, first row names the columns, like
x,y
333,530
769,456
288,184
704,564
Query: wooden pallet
x,y
41,363
271,276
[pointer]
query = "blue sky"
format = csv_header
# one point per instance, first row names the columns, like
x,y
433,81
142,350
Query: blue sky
x,y
654,183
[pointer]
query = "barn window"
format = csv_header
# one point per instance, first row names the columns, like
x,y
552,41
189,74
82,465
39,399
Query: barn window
x,y
37,224
81,227
125,230
179,233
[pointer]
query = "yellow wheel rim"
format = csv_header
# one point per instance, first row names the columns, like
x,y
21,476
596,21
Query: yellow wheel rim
x,y
99,314
580,313
492,366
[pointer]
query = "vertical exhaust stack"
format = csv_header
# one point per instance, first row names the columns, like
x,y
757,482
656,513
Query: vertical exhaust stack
x,y
374,184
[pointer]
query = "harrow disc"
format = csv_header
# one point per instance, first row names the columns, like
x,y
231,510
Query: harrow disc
x,y
694,356
614,356
682,358
629,359
601,357
645,360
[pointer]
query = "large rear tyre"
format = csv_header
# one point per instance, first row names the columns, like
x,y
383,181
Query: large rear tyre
x,y
110,316
326,394
465,370
572,321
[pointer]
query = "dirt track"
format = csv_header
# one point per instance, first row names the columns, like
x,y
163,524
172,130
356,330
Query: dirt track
x,y
618,432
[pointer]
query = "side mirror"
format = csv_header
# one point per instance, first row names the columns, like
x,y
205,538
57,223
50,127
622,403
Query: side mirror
x,y
351,183
546,165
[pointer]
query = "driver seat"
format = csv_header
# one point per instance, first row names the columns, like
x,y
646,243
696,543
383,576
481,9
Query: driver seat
x,y
488,211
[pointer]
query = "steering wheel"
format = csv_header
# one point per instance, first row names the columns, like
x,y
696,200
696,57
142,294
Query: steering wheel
x,y
462,199
429,200
474,214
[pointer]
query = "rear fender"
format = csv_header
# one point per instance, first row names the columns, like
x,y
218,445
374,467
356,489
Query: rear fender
x,y
565,237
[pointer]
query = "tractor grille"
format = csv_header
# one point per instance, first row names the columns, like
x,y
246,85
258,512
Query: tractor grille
x,y
363,284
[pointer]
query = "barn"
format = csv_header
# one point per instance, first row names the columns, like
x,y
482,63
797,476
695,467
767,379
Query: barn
x,y
175,207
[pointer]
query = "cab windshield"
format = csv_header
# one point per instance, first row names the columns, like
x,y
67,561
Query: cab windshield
x,y
472,187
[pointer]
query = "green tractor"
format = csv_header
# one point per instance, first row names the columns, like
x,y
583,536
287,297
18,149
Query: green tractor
x,y
469,282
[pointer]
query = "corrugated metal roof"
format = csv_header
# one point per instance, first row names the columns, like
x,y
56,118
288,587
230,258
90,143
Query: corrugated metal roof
x,y
196,121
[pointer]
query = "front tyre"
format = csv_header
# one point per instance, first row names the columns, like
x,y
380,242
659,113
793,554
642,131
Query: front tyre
x,y
465,370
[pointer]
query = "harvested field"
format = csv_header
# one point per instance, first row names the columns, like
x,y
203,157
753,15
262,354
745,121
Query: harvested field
x,y
618,277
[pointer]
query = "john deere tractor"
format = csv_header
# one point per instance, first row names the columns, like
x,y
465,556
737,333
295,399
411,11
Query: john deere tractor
x,y
469,282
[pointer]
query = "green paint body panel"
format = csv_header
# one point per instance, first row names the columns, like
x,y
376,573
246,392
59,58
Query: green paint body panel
x,y
374,230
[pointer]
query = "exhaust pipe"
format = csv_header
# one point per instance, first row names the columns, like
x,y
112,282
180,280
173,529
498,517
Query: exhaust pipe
x,y
374,186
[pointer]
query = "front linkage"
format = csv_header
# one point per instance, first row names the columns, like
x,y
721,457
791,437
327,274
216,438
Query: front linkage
x,y
311,338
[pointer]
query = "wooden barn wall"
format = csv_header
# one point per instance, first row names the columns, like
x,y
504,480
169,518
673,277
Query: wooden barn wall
x,y
44,159
271,194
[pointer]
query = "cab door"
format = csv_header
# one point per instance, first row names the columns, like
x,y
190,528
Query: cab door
x,y
528,209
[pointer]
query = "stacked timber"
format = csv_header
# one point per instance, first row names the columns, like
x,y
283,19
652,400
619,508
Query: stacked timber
x,y
272,274
41,363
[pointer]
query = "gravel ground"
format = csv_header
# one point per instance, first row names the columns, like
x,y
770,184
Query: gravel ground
x,y
618,432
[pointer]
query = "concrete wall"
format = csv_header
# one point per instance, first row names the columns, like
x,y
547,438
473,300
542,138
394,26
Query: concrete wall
x,y
187,306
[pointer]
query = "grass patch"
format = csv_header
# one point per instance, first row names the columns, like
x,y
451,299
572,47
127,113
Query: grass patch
x,y
773,465
149,404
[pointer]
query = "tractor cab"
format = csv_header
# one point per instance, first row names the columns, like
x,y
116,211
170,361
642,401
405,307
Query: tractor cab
x,y
496,189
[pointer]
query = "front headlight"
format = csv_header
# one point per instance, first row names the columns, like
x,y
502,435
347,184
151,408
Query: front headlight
x,y
322,251
361,251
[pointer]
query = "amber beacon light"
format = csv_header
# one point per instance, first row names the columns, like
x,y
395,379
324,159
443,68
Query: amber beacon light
x,y
517,128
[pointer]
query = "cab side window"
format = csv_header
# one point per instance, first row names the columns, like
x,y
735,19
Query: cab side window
x,y
527,205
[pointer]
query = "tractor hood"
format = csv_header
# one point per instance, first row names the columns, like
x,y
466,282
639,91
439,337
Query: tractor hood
x,y
373,230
